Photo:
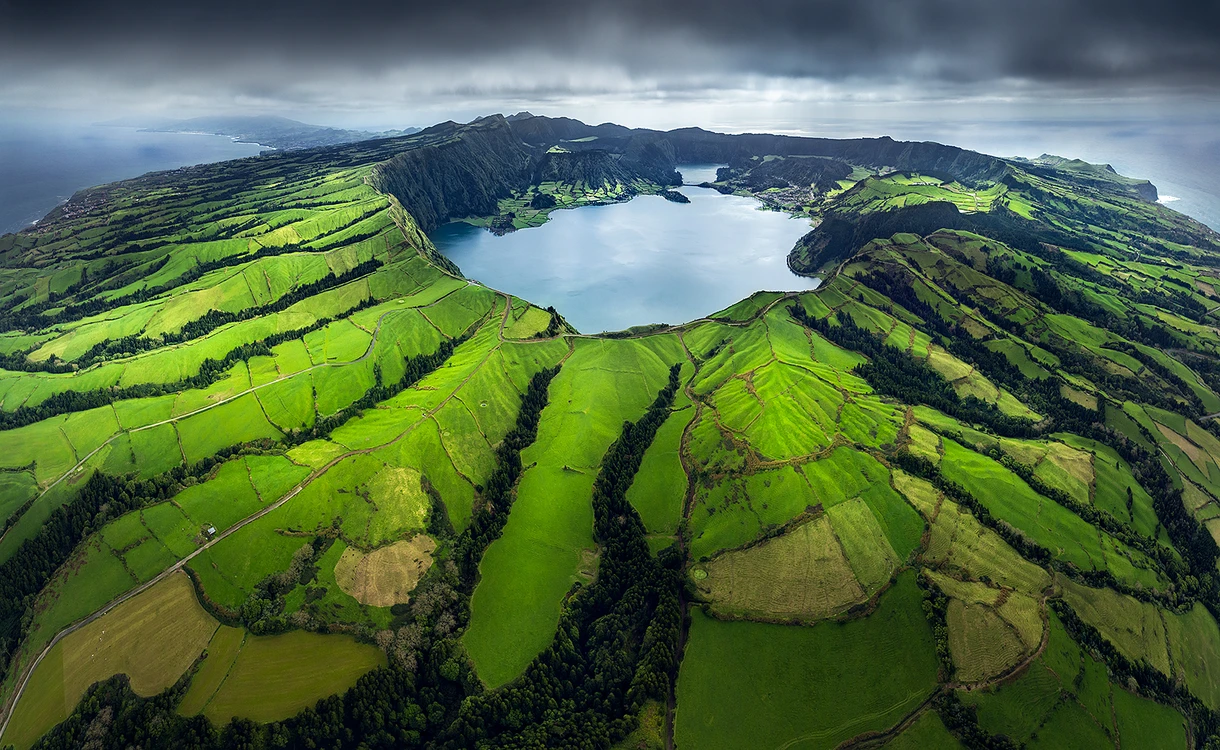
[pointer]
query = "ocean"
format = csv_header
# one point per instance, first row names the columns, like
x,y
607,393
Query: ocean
x,y
42,166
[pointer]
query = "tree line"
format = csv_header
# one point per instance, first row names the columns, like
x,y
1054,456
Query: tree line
x,y
104,498
210,371
1190,537
895,373
615,646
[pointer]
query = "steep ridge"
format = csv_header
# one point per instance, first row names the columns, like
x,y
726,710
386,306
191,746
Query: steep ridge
x,y
464,175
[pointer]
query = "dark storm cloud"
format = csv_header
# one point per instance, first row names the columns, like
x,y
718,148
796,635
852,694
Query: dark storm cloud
x,y
290,50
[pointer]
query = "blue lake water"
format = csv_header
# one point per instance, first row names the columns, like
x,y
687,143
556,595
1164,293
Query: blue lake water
x,y
650,260
42,166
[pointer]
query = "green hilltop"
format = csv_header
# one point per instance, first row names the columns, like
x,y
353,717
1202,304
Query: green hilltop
x,y
273,473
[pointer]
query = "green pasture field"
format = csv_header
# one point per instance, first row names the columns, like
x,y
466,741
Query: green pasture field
x,y
747,684
401,505
274,677
245,558
234,383
337,387
341,341
1147,724
238,421
458,311
533,321
1066,700
223,500
467,446
1112,478
1065,534
423,450
928,731
1194,646
659,490
526,572
90,579
1134,627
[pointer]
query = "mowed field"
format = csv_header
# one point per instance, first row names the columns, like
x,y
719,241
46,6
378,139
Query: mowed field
x,y
153,638
274,677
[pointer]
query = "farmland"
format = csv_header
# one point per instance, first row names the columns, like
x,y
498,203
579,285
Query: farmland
x,y
746,683
273,677
248,409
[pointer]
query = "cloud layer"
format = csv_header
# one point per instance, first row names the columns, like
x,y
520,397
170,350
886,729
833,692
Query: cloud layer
x,y
380,55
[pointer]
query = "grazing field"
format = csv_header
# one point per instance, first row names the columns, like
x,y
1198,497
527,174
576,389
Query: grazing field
x,y
387,575
1053,526
802,575
1193,649
152,638
275,676
659,490
928,731
1065,699
1145,724
747,684
1135,628
222,650
540,554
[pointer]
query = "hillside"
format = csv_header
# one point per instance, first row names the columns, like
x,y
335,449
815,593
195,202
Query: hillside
x,y
273,473
274,132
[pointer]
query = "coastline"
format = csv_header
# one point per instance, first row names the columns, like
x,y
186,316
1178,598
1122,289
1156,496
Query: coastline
x,y
41,168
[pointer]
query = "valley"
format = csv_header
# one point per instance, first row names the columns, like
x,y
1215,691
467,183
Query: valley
x,y
963,492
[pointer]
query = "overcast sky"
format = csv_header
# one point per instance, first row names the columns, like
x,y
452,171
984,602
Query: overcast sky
x,y
733,64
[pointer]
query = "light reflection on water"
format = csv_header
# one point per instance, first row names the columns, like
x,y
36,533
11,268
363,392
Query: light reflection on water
x,y
606,268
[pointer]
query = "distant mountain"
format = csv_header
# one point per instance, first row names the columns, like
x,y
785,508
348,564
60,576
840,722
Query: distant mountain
x,y
279,133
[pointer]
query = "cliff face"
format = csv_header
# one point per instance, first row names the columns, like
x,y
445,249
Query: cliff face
x,y
797,170
969,167
694,145
465,174
466,169
590,167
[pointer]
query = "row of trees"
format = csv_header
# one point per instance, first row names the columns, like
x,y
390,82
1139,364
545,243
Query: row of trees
x,y
500,489
895,373
104,498
615,646
210,370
